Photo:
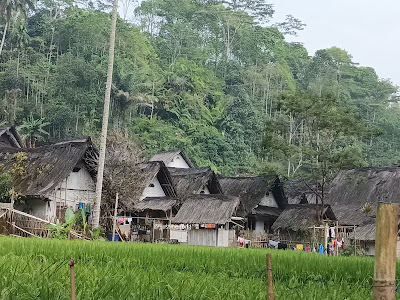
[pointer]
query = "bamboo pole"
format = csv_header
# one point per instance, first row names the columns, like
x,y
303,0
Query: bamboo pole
x,y
271,294
115,217
326,238
355,241
387,216
72,272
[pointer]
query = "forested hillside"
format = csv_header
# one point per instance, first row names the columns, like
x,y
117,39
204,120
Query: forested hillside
x,y
215,78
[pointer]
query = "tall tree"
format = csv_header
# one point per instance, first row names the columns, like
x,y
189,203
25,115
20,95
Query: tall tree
x,y
7,7
103,141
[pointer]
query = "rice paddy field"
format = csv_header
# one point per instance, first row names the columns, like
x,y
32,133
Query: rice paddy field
x,y
38,269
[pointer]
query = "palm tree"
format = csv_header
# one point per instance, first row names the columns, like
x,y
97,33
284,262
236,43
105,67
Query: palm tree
x,y
7,7
32,130
102,154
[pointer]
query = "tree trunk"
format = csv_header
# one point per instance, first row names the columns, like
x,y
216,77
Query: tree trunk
x,y
4,37
100,172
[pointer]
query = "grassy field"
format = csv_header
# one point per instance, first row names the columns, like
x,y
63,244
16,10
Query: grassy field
x,y
37,269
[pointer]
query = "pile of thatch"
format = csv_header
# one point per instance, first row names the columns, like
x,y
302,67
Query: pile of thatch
x,y
193,180
301,217
207,209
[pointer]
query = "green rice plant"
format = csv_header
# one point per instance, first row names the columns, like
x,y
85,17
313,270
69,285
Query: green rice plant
x,y
37,269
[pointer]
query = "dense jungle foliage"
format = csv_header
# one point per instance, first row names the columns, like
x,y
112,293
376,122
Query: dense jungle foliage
x,y
212,77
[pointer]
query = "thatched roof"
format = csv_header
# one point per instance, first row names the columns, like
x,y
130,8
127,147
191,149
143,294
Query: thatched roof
x,y
297,191
207,209
168,156
43,168
251,190
267,211
131,187
10,137
156,203
193,180
366,231
352,189
301,217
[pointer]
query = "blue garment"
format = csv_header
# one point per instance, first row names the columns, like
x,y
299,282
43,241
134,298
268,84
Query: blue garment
x,y
321,249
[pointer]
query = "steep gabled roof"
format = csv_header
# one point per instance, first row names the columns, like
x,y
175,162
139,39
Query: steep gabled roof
x,y
251,190
45,167
207,209
297,191
168,156
130,182
11,135
301,217
192,180
351,189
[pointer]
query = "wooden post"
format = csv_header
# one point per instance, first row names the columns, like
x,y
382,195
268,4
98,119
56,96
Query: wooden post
x,y
336,238
355,242
72,271
115,217
271,294
326,239
387,216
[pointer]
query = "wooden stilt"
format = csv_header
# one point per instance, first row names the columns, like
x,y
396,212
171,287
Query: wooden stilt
x,y
72,273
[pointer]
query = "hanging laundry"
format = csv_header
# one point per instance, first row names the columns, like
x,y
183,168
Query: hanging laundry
x,y
307,249
332,232
299,247
272,244
121,220
321,249
80,205
282,246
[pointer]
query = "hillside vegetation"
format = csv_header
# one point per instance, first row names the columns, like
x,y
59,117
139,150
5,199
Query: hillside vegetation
x,y
214,78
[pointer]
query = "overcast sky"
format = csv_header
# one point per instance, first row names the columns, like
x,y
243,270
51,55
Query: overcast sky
x,y
368,30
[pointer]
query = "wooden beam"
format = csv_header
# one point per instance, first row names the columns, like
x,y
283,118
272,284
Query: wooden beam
x,y
23,230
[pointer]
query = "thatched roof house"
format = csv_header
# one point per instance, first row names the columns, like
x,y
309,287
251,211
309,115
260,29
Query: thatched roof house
x,y
252,190
10,137
43,168
353,189
173,159
263,199
135,183
195,181
54,177
207,209
299,217
297,191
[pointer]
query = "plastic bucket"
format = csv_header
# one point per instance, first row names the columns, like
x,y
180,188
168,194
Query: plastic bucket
x,y
116,237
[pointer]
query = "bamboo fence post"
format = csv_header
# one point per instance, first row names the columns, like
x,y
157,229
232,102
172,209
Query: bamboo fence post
x,y
115,217
387,216
271,294
72,272
326,238
355,241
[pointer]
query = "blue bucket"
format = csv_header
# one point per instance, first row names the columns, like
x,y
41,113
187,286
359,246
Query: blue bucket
x,y
116,237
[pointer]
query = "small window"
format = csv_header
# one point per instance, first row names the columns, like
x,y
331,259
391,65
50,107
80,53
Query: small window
x,y
151,185
76,169
202,192
177,157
